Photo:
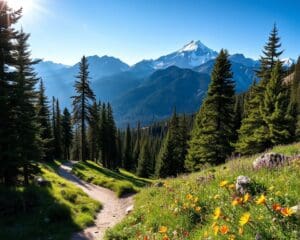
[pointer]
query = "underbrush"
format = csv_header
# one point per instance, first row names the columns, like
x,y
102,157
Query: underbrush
x,y
52,212
122,182
205,205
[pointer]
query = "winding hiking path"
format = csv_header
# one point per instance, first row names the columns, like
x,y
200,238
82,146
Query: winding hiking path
x,y
113,211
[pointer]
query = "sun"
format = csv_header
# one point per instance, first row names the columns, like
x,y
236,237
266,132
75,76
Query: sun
x,y
27,5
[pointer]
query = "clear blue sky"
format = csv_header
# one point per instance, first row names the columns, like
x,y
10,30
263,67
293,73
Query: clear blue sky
x,y
132,30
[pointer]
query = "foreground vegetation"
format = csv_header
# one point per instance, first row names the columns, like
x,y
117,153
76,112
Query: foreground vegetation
x,y
121,182
39,212
204,205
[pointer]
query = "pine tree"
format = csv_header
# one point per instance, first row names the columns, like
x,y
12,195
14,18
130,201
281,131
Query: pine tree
x,y
102,136
111,139
295,100
76,145
144,160
26,128
67,134
170,160
128,158
81,102
212,133
137,144
8,34
93,132
43,117
274,107
253,134
57,131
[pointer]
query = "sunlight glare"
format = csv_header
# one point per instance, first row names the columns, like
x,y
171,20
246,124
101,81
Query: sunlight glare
x,y
27,5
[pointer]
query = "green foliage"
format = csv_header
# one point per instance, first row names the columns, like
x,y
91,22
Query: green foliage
x,y
213,129
66,133
81,102
144,168
175,204
121,182
128,151
41,211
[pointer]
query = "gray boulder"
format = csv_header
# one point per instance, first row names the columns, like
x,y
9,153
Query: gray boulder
x,y
242,184
270,160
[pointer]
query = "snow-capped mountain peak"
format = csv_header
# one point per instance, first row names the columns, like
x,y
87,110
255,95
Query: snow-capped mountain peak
x,y
287,62
191,46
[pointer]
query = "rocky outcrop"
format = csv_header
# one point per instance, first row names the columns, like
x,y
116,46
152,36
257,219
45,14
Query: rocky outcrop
x,y
270,160
242,184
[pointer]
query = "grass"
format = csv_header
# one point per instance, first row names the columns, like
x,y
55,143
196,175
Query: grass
x,y
50,212
187,207
121,182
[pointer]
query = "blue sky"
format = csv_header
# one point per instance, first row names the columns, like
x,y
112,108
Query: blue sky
x,y
132,30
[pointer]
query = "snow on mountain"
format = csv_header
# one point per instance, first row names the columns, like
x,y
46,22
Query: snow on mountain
x,y
287,62
191,55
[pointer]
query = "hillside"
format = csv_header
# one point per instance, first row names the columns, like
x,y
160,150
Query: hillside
x,y
203,205
38,212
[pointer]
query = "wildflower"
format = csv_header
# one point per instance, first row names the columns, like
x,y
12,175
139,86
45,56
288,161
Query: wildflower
x,y
217,196
236,201
197,209
241,231
246,197
231,237
165,237
244,218
217,213
163,229
231,186
276,207
205,234
189,196
223,183
196,199
146,238
224,229
261,200
216,229
287,212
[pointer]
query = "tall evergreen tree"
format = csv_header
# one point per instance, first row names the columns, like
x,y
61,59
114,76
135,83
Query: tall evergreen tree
x,y
295,100
144,160
57,131
93,132
26,129
67,134
43,114
103,135
76,145
253,134
111,139
274,107
170,160
127,158
212,133
8,18
137,144
82,102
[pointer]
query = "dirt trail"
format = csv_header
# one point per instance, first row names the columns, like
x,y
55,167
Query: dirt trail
x,y
113,211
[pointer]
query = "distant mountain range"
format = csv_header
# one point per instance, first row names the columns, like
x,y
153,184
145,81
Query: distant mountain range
x,y
150,89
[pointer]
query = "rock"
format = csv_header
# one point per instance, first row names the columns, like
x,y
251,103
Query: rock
x,y
158,184
296,210
270,160
42,182
129,209
242,184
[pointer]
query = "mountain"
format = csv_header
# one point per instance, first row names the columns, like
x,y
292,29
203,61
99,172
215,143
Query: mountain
x,y
243,70
157,96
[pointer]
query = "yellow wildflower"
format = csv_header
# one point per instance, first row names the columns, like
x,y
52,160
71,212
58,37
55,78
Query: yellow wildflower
x,y
246,197
217,196
245,218
217,213
236,201
287,212
261,200
223,183
196,199
197,209
241,231
163,229
231,237
216,229
189,196
231,186
166,237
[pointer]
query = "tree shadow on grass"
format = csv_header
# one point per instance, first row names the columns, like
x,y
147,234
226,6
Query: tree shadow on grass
x,y
33,213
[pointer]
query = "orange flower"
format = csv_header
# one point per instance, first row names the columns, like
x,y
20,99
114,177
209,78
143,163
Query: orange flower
x,y
237,201
261,200
245,218
189,196
246,197
224,229
146,238
165,237
276,207
197,209
163,229
217,213
223,183
287,212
